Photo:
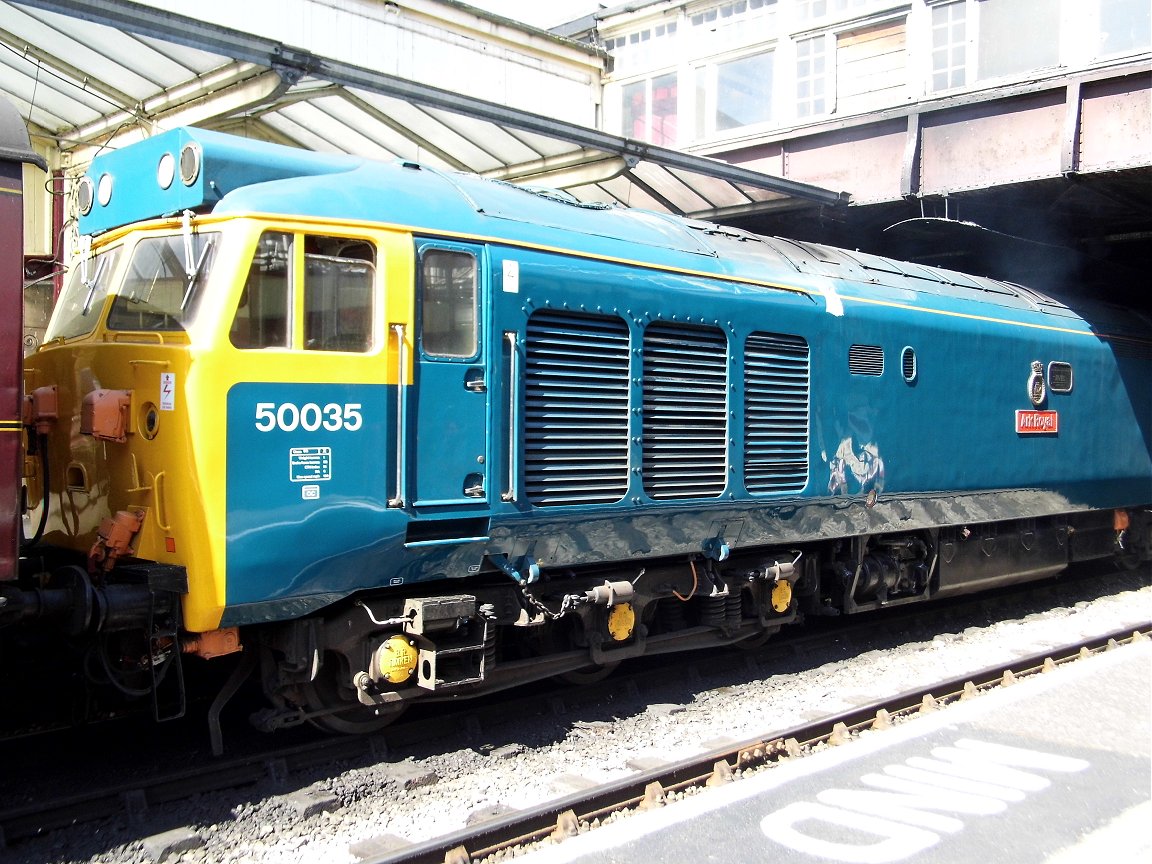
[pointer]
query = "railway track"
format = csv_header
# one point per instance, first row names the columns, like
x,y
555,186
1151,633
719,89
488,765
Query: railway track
x,y
135,798
566,817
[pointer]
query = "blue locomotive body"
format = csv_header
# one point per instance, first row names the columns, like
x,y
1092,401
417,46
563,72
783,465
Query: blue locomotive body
x,y
684,384
438,434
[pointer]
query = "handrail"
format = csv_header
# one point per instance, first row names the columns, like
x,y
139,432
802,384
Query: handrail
x,y
401,419
161,511
513,416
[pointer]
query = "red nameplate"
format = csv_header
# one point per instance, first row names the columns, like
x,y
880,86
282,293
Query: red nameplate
x,y
1037,422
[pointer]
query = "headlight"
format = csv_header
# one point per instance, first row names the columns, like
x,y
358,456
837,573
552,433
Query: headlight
x,y
190,159
166,170
85,194
104,189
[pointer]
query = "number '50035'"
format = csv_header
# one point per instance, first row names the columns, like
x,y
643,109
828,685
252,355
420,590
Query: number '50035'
x,y
288,416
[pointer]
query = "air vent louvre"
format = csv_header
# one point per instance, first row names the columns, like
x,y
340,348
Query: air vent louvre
x,y
776,393
908,364
575,409
685,411
866,360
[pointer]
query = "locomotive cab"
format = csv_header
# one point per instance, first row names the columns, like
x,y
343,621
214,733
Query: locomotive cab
x,y
182,355
153,332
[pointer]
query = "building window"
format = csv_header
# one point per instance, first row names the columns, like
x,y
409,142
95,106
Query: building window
x,y
811,77
871,67
650,110
1017,36
635,120
949,46
734,94
1125,26
734,9
653,46
744,92
813,10
731,25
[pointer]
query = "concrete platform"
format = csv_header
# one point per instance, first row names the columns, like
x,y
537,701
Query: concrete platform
x,y
1056,769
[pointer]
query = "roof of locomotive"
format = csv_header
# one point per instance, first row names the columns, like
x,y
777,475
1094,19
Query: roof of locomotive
x,y
469,206
194,169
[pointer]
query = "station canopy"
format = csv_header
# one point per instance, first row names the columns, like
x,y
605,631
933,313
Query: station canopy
x,y
86,72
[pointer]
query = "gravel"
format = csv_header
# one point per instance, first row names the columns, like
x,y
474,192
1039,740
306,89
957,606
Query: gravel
x,y
340,813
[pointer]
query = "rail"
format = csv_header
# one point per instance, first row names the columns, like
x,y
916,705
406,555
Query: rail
x,y
274,764
565,817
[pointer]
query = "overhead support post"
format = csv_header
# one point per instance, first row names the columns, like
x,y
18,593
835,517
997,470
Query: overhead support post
x,y
910,169
1070,149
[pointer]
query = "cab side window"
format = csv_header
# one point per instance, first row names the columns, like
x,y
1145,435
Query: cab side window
x,y
334,296
338,279
263,319
448,304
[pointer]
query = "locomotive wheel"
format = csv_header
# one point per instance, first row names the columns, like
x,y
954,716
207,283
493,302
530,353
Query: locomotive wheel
x,y
347,716
1128,559
553,640
588,675
756,640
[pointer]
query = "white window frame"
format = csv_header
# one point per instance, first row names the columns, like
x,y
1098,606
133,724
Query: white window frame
x,y
1084,18
648,80
927,38
829,76
1079,25
720,32
689,90
849,9
656,41
980,77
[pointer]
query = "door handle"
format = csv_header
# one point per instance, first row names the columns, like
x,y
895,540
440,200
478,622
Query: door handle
x,y
474,381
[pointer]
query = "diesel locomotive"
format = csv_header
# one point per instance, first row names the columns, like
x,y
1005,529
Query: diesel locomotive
x,y
383,433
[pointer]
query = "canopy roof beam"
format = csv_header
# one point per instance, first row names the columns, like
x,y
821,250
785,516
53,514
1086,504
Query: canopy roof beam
x,y
295,63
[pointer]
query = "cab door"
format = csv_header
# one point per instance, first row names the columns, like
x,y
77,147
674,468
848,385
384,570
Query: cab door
x,y
450,408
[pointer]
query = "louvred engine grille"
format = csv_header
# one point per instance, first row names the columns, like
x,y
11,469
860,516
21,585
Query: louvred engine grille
x,y
575,409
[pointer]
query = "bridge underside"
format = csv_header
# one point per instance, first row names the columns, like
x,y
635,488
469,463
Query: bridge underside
x,y
1048,184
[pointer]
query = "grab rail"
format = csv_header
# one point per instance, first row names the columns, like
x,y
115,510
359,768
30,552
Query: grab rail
x,y
513,416
401,420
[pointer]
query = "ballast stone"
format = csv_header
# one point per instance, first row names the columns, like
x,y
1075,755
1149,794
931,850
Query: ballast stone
x,y
164,847
377,847
311,802
411,776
